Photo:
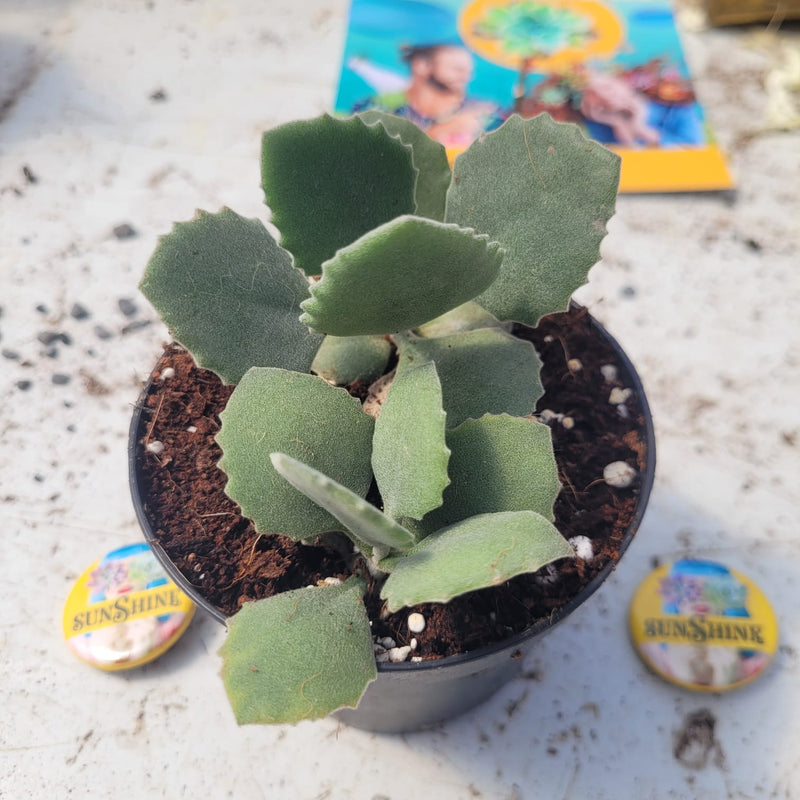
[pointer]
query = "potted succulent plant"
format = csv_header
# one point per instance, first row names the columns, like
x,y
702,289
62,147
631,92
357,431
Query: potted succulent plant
x,y
397,282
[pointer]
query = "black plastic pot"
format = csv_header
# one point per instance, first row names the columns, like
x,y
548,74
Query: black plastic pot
x,y
409,696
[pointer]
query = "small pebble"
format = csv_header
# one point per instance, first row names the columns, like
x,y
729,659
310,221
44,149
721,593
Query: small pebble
x,y
23,386
158,96
568,423
167,373
574,365
155,447
416,623
547,575
619,474
30,177
387,642
127,306
381,656
623,412
619,396
11,355
79,312
192,429
102,333
609,372
413,644
582,545
549,339
398,654
53,337
331,581
60,379
136,325
124,231
42,308
416,659
547,416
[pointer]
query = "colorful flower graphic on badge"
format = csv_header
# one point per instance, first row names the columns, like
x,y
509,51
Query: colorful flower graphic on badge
x,y
544,34
702,588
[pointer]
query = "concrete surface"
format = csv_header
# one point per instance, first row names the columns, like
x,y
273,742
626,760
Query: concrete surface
x,y
133,114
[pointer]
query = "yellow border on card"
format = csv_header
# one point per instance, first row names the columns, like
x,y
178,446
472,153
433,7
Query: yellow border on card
x,y
696,169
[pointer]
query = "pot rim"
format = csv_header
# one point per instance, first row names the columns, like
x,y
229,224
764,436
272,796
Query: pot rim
x,y
647,477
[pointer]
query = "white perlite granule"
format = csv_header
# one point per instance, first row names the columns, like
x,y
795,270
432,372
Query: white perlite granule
x,y
619,474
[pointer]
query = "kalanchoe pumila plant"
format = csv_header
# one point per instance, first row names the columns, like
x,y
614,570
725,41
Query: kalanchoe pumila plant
x,y
387,258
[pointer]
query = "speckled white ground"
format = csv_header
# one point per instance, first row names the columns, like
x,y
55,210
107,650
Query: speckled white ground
x,y
703,292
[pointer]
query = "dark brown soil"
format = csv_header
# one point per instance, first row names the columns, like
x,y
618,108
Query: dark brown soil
x,y
221,554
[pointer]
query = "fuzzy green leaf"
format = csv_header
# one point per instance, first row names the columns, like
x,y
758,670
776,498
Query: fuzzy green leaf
x,y
467,317
347,359
367,523
479,552
498,463
429,157
273,410
485,371
230,295
409,454
328,181
545,192
298,655
398,276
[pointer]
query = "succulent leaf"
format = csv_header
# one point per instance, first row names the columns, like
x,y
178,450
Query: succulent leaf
x,y
398,276
485,371
409,454
476,553
230,295
430,159
367,523
298,655
274,410
347,359
467,317
545,192
498,463
328,181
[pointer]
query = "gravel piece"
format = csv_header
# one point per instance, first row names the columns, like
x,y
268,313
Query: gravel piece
x,y
619,474
416,622
619,396
398,654
609,372
102,333
125,231
582,545
54,337
11,355
79,312
136,325
127,306
61,379
23,386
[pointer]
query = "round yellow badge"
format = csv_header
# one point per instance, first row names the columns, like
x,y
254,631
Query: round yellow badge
x,y
703,626
124,611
